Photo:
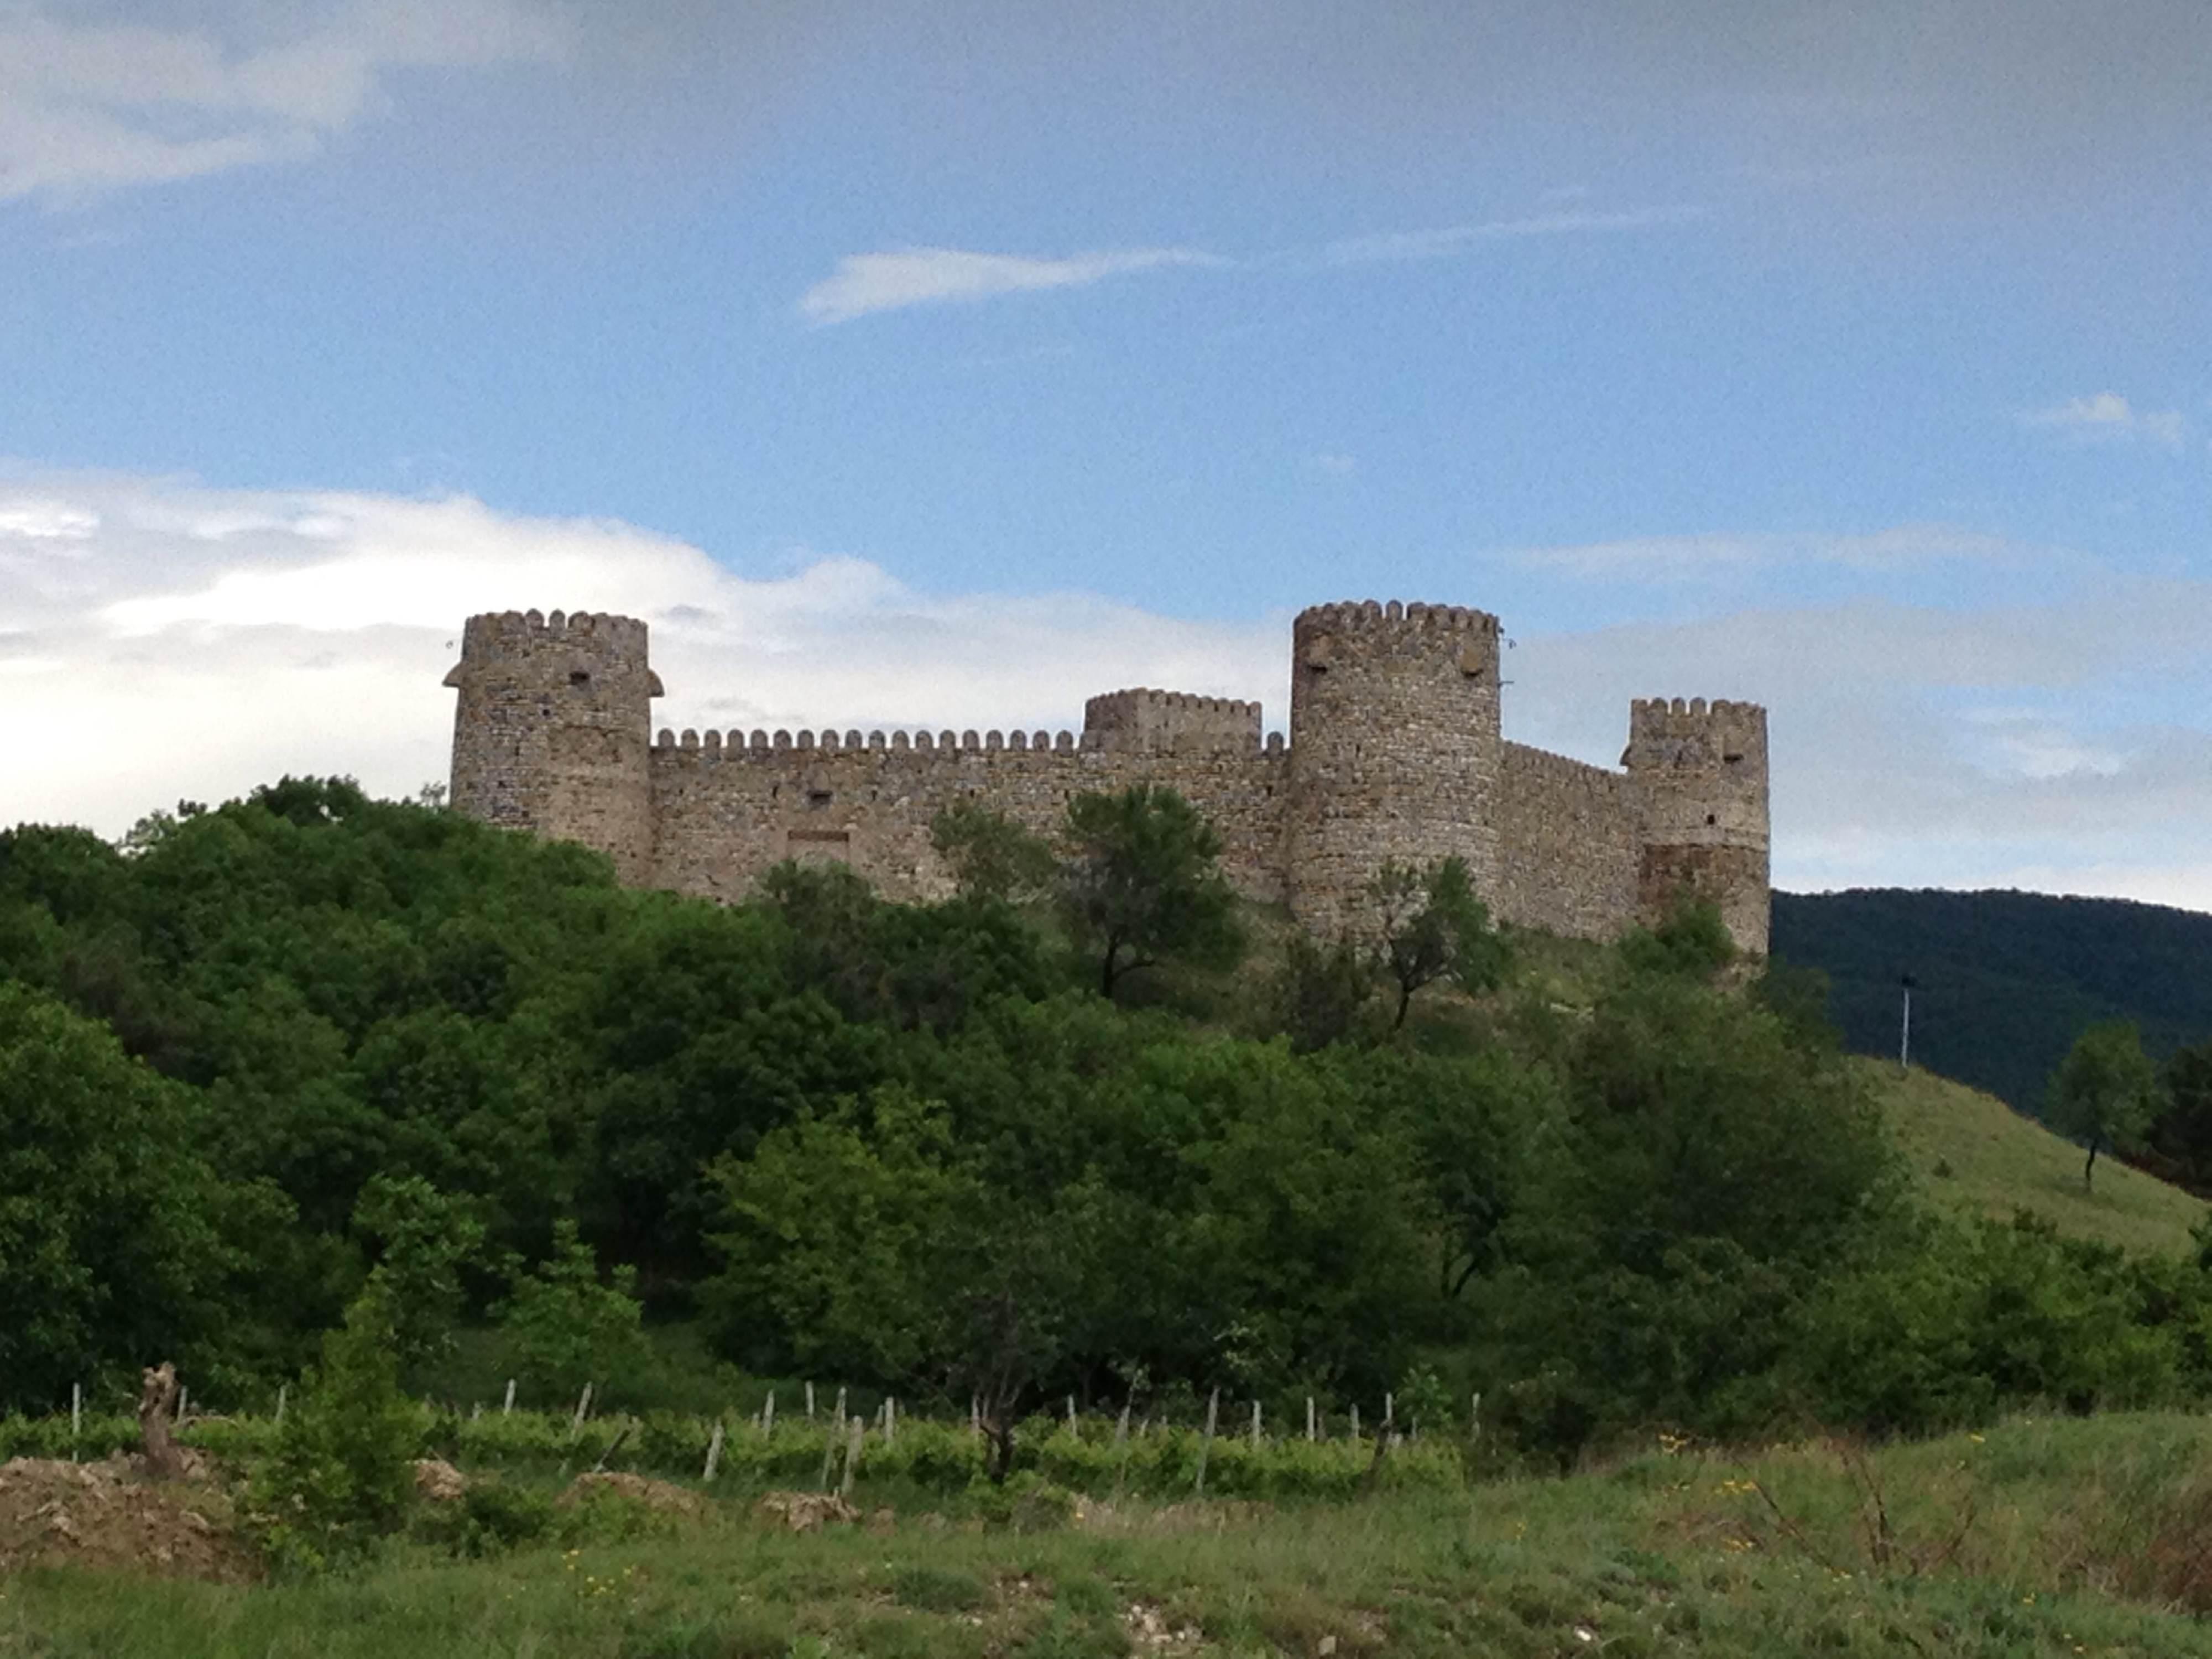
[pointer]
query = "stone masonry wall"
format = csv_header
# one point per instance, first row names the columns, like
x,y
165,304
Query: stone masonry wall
x,y
1566,845
1395,755
729,807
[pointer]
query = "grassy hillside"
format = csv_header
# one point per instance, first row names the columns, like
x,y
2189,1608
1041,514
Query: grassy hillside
x,y
2052,1537
1970,1151
2005,980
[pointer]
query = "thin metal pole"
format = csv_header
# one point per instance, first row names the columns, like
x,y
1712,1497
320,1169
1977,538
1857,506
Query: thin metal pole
x,y
1905,1032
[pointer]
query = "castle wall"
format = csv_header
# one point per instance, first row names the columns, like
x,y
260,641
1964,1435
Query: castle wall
x,y
730,807
1567,853
1700,771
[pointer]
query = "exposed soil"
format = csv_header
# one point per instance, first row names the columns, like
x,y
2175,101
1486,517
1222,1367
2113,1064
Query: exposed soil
x,y
806,1511
107,1515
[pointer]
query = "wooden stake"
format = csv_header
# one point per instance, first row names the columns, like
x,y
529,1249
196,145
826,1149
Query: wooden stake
x,y
1121,1428
1256,1426
768,1416
1071,1414
583,1410
810,1403
506,1409
714,1450
852,1459
829,1454
1355,1419
283,1388
1206,1445
77,1416
1309,1417
890,1418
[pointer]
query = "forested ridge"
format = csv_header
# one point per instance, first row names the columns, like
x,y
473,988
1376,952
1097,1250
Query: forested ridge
x,y
254,1054
2003,981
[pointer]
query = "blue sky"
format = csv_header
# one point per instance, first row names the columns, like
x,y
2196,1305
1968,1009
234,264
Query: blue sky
x,y
910,363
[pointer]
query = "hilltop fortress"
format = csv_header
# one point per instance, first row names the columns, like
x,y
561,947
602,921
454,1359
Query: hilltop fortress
x,y
1394,753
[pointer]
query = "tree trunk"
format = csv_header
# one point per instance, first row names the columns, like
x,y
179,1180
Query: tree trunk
x,y
2088,1168
157,1404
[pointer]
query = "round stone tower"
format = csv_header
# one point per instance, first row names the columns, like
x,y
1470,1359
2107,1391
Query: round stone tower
x,y
1395,749
553,732
1700,772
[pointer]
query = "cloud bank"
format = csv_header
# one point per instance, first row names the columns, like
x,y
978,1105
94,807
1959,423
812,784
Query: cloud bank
x,y
160,640
86,106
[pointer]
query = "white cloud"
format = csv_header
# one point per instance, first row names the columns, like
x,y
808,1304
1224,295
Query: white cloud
x,y
2106,415
1674,558
1457,238
194,642
866,282
90,107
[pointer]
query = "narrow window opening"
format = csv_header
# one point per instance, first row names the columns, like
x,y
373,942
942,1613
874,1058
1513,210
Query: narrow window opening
x,y
579,676
1709,818
817,797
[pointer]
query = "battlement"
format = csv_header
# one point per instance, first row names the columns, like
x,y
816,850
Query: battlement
x,y
1143,719
1348,616
500,632
737,743
1693,717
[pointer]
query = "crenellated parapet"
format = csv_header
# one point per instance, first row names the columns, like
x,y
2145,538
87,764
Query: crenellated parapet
x,y
1146,722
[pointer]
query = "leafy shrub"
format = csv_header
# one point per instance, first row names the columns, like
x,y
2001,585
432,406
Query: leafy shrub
x,y
488,1519
340,1476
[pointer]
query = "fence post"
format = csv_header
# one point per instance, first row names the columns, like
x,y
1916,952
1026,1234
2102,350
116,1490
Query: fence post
x,y
507,1406
283,1388
1355,1419
77,1416
714,1450
1121,1428
768,1416
890,1418
975,1414
583,1410
1309,1417
1475,1418
1206,1445
829,1439
1071,1429
1256,1426
852,1459
810,1403
840,1415
184,1403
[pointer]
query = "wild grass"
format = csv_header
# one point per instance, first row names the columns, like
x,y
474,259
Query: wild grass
x,y
1970,1152
2058,1537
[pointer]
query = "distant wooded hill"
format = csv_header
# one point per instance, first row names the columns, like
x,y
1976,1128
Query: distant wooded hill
x,y
2004,980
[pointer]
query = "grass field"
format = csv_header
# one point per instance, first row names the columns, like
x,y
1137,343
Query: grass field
x,y
1971,1151
2044,1537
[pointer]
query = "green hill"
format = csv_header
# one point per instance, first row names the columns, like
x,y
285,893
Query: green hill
x,y
2004,980
1971,1151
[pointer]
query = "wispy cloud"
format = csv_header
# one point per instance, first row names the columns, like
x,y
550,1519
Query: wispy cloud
x,y
1441,243
2109,416
1677,558
90,107
864,283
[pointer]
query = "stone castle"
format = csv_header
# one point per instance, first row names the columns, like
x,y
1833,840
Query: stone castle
x,y
1394,753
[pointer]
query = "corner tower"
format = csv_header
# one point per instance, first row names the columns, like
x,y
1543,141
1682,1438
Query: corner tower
x,y
1395,749
553,730
1699,773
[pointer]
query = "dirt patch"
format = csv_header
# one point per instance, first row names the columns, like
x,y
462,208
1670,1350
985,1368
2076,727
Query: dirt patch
x,y
102,1515
657,1495
437,1481
806,1511
1152,1631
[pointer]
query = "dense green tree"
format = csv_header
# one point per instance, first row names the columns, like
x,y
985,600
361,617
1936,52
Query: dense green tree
x,y
1429,926
566,1326
991,856
110,1252
1143,884
423,1240
2104,1093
